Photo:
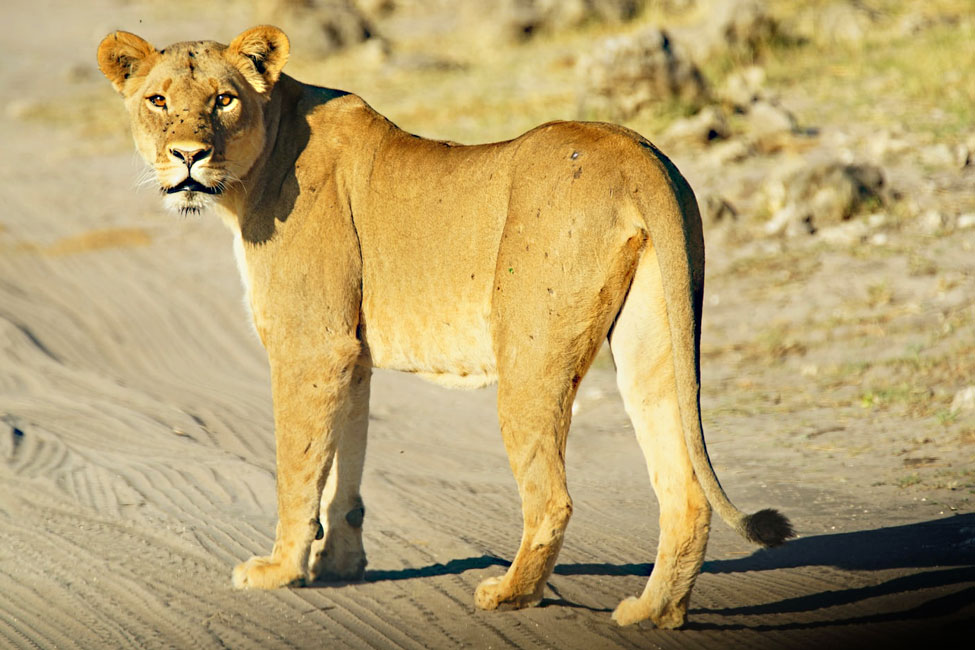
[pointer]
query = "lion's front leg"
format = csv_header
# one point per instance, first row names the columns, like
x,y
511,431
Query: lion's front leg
x,y
338,554
311,401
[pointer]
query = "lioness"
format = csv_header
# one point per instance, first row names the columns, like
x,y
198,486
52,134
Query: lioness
x,y
363,246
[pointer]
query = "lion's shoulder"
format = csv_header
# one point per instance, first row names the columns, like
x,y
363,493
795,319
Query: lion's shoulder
x,y
331,105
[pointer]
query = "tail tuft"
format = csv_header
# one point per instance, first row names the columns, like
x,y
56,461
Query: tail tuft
x,y
768,527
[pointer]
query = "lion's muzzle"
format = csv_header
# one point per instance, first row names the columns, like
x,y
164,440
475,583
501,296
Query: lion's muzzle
x,y
190,184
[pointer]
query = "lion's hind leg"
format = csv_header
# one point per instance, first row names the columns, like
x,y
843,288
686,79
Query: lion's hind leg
x,y
641,346
544,348
534,419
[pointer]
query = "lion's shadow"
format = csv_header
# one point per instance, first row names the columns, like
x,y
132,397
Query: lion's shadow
x,y
944,546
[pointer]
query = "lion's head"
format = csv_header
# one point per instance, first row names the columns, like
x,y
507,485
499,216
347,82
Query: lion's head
x,y
197,108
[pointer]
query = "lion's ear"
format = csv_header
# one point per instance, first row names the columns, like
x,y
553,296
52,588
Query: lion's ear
x,y
121,56
259,54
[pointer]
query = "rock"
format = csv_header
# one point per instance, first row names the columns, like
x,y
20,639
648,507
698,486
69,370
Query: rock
x,y
742,28
877,219
965,221
839,23
625,74
941,155
884,143
785,221
377,8
964,400
523,19
819,197
848,233
729,151
964,155
932,222
707,126
611,10
716,210
321,26
767,119
744,87
964,150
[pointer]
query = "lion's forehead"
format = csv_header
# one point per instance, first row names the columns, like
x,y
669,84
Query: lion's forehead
x,y
193,93
198,65
194,49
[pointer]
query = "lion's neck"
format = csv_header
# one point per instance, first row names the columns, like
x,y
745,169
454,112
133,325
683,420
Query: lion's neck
x,y
247,209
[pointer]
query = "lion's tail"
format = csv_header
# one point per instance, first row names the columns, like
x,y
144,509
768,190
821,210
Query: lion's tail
x,y
676,232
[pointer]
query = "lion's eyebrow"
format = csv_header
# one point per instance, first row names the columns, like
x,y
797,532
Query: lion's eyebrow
x,y
213,83
166,84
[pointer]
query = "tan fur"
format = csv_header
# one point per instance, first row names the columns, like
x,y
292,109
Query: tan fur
x,y
363,246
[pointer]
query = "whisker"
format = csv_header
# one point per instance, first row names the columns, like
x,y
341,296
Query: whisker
x,y
146,177
230,180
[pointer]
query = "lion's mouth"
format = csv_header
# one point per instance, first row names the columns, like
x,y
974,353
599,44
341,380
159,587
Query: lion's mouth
x,y
192,185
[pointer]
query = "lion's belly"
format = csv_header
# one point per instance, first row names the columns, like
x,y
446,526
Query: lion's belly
x,y
446,340
429,227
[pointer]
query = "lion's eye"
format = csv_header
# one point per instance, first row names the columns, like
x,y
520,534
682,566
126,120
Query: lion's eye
x,y
157,100
225,99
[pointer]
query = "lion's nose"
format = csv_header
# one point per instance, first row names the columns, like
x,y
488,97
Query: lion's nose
x,y
189,155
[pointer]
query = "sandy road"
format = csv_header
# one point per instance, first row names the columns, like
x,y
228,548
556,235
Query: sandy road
x,y
136,457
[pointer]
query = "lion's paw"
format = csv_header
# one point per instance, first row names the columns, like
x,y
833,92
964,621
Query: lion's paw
x,y
327,569
630,611
492,593
487,594
633,610
266,573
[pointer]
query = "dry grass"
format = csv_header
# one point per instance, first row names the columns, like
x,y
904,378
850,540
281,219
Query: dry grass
x,y
894,77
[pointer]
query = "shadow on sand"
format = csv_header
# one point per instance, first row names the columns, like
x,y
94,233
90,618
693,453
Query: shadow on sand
x,y
946,547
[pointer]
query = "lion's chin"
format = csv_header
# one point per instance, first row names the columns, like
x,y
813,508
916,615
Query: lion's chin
x,y
188,202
